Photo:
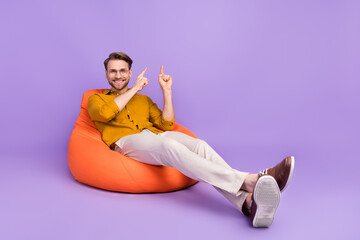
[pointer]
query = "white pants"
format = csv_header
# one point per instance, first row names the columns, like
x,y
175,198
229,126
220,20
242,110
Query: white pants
x,y
192,157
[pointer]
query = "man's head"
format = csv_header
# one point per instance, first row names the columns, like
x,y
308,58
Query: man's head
x,y
118,70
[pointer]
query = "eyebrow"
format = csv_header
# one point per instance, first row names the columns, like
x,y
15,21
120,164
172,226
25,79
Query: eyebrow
x,y
113,69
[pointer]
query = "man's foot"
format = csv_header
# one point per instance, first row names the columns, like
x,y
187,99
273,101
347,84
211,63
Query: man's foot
x,y
247,205
266,199
250,182
282,172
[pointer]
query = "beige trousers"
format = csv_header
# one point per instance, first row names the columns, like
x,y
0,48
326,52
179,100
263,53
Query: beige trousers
x,y
192,157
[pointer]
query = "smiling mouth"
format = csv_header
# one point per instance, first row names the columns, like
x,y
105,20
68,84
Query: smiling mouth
x,y
119,80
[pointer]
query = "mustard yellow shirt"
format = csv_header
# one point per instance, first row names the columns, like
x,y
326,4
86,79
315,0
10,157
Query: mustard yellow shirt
x,y
139,113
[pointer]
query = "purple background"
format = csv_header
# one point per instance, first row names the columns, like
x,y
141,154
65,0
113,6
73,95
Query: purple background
x,y
258,80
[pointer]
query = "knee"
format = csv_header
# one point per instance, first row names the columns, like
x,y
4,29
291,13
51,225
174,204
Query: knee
x,y
202,143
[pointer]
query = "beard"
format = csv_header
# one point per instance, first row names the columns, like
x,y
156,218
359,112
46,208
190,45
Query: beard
x,y
117,87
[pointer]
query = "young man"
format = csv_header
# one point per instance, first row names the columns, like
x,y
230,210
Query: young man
x,y
133,125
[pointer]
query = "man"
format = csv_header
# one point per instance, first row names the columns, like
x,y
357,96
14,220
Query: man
x,y
133,125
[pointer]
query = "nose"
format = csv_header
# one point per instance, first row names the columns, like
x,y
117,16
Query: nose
x,y
117,74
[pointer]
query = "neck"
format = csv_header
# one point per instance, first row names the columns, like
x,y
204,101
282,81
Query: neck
x,y
121,91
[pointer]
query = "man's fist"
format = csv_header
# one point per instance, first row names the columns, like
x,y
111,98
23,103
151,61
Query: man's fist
x,y
165,81
141,81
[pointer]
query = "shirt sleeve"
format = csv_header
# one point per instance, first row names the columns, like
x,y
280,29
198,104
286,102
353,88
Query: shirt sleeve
x,y
157,119
102,111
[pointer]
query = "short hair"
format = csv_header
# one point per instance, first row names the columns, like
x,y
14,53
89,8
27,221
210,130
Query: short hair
x,y
119,56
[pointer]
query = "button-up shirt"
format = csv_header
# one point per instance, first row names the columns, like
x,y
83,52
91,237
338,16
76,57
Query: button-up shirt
x,y
139,113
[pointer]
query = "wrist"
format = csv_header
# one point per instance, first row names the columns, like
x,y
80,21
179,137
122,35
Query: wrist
x,y
133,90
167,90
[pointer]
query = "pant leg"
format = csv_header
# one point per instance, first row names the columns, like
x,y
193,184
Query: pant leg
x,y
203,149
197,146
150,148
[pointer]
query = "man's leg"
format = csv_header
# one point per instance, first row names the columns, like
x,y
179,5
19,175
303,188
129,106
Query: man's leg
x,y
204,150
264,189
155,149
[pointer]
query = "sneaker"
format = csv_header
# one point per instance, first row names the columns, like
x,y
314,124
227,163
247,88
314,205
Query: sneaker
x,y
281,172
265,201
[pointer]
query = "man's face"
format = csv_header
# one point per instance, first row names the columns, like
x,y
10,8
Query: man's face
x,y
118,74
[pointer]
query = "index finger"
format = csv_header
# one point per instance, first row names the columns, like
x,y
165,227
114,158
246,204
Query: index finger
x,y
162,69
143,72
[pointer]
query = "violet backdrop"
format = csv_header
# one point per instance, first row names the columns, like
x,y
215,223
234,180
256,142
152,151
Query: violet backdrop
x,y
258,80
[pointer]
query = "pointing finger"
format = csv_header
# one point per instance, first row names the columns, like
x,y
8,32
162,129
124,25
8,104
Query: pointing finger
x,y
143,72
162,69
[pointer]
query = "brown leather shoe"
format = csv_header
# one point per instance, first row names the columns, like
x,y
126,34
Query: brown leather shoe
x,y
246,209
266,199
281,172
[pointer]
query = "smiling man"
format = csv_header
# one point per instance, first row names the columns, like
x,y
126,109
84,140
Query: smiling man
x,y
132,124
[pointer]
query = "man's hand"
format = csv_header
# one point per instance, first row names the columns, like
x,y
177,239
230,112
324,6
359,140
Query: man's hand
x,y
141,81
164,80
165,83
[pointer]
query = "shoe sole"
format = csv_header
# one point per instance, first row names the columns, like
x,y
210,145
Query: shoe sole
x,y
291,172
266,196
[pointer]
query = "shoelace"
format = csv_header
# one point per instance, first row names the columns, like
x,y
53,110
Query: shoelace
x,y
263,172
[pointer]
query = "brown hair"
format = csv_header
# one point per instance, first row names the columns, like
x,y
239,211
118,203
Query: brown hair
x,y
119,56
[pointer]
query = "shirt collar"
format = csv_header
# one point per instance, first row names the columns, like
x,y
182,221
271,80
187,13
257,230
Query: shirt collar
x,y
109,92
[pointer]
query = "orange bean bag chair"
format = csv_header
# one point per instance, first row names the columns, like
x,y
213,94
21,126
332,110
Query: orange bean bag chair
x,y
93,163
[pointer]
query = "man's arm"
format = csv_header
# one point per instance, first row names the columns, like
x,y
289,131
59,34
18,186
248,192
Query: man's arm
x,y
165,82
101,111
124,98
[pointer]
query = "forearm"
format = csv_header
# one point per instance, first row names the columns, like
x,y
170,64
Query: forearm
x,y
124,98
168,111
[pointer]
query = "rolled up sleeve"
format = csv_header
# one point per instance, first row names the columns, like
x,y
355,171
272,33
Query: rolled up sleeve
x,y
157,119
102,111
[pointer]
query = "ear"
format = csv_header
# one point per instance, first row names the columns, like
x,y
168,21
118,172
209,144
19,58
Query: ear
x,y
106,74
130,72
